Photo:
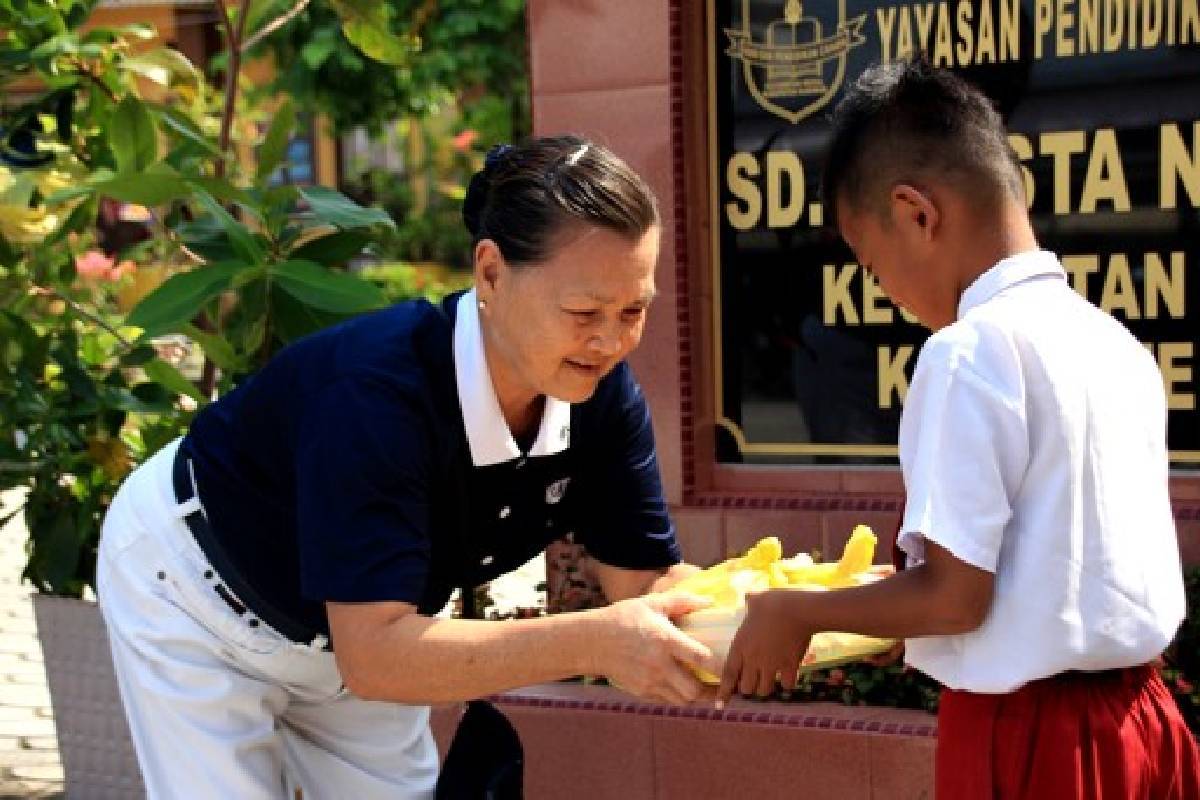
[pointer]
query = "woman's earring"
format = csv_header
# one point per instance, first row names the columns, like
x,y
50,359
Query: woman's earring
x,y
483,305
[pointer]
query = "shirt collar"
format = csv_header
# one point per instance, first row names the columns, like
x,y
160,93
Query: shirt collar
x,y
490,440
1009,272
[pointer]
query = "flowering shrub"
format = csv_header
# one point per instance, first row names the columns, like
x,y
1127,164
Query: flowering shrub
x,y
123,133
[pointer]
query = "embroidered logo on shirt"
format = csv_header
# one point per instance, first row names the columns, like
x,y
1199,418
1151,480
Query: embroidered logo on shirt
x,y
564,432
556,490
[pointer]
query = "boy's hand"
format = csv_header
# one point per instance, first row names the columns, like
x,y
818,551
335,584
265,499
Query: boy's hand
x,y
768,644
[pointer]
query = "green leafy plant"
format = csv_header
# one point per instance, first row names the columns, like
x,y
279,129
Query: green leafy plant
x,y
120,133
464,49
1181,662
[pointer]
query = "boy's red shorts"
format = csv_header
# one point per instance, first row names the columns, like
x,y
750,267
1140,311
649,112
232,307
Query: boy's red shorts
x,y
1114,735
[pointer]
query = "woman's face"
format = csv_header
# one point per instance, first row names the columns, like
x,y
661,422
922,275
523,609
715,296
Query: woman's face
x,y
557,327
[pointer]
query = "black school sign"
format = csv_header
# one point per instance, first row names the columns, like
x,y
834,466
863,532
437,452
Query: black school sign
x,y
1102,98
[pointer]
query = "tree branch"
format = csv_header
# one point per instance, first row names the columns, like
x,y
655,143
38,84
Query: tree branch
x,y
274,25
233,39
81,311
82,69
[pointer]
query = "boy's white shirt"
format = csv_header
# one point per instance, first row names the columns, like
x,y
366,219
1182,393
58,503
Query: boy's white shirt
x,y
1033,445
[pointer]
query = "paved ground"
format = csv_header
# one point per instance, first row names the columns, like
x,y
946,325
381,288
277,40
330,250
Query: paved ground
x,y
29,765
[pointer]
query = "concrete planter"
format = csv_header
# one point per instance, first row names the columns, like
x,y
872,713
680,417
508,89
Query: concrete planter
x,y
583,742
595,743
93,737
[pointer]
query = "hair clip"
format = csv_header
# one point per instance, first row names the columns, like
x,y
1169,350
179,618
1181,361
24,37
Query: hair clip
x,y
573,159
495,154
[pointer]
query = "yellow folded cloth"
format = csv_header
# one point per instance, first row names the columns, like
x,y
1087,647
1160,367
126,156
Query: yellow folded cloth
x,y
763,567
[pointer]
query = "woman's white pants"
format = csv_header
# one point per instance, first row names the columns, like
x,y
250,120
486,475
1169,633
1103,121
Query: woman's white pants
x,y
221,706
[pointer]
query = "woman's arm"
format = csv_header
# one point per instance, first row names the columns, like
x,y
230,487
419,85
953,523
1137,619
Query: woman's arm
x,y
386,651
619,583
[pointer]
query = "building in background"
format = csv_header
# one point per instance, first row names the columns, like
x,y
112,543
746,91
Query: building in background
x,y
775,367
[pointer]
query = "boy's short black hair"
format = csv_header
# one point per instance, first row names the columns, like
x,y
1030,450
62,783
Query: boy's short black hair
x,y
909,122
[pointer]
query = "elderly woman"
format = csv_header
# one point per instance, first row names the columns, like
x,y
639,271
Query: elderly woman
x,y
270,581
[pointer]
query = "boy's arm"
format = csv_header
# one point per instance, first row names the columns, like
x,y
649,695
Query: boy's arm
x,y
942,596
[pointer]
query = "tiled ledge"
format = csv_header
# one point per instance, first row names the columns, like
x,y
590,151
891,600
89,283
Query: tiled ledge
x,y
594,742
825,716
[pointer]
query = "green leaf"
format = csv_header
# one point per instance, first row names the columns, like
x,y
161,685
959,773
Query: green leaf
x,y
180,298
244,243
18,190
206,238
69,193
380,44
334,208
217,348
138,356
161,65
81,218
326,290
63,44
55,548
332,250
260,10
274,146
121,399
366,25
226,192
132,136
293,319
155,186
101,36
153,395
317,51
172,380
186,127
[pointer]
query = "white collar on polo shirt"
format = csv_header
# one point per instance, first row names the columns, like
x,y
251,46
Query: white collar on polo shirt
x,y
488,435
1009,272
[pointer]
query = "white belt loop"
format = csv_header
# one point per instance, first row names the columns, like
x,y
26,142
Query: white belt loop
x,y
194,503
189,507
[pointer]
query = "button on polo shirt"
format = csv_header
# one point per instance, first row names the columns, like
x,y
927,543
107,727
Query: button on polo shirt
x,y
367,463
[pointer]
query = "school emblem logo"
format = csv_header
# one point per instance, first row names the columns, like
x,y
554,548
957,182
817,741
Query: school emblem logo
x,y
556,490
796,69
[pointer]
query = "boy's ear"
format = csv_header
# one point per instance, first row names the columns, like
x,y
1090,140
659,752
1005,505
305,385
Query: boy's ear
x,y
914,210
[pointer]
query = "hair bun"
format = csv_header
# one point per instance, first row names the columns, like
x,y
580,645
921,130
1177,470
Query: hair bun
x,y
476,199
481,185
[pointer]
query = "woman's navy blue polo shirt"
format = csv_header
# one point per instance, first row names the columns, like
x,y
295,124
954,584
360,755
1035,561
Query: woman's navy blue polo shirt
x,y
344,470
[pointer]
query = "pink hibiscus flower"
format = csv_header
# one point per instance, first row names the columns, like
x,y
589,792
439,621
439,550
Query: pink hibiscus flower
x,y
94,266
464,140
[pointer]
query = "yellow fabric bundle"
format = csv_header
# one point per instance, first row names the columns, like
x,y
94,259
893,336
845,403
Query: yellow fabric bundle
x,y
763,567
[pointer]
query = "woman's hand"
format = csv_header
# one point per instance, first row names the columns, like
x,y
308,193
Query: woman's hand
x,y
673,576
768,644
644,654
